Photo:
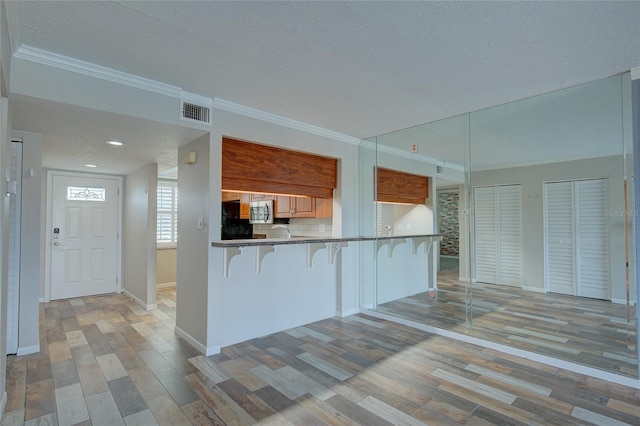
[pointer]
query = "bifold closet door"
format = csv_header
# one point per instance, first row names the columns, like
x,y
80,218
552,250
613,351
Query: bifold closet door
x,y
510,235
498,234
577,238
486,235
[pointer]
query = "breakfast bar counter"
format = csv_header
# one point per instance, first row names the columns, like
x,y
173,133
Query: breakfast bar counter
x,y
265,246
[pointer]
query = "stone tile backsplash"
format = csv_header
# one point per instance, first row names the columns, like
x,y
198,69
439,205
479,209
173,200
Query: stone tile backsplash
x,y
448,222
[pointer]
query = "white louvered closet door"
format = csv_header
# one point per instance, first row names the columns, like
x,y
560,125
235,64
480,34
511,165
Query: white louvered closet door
x,y
486,233
577,238
510,235
559,237
592,233
498,232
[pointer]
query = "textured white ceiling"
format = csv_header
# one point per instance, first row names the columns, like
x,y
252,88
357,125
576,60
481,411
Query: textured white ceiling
x,y
360,68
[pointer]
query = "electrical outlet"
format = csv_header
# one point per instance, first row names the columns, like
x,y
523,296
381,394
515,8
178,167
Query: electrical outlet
x,y
414,147
408,227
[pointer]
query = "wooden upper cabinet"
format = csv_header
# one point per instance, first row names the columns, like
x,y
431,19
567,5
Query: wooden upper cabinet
x,y
324,208
230,196
400,187
286,206
304,207
282,207
252,167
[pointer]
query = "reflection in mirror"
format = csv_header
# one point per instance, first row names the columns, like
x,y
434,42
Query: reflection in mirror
x,y
406,282
543,224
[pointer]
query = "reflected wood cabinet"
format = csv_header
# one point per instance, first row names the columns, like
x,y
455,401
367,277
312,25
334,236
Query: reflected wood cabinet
x,y
400,187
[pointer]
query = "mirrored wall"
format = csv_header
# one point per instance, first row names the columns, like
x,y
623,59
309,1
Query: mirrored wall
x,y
533,201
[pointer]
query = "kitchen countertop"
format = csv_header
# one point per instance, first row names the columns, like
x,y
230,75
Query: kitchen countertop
x,y
309,240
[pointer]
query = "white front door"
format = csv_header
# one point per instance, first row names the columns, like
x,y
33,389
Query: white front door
x,y
84,236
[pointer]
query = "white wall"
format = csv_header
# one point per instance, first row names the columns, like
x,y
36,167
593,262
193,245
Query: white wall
x,y
31,260
193,244
532,179
139,253
464,260
167,266
35,79
407,219
404,273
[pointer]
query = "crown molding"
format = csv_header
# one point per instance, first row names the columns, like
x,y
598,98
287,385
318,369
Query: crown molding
x,y
282,121
635,73
410,155
55,60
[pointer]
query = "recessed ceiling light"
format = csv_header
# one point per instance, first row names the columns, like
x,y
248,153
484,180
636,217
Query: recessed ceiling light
x,y
90,165
115,143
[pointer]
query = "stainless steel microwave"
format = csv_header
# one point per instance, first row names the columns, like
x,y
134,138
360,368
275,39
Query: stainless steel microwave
x,y
261,211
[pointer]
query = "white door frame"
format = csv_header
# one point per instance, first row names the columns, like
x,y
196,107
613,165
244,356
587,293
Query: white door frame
x,y
13,299
49,225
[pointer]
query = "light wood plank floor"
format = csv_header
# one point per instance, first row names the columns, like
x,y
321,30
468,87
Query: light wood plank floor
x,y
587,331
106,361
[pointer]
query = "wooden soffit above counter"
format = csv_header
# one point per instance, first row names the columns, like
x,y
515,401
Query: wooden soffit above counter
x,y
401,187
252,167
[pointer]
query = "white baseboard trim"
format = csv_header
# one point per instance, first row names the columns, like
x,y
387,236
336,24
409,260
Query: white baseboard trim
x,y
165,285
623,302
149,307
532,356
3,404
27,350
348,312
207,351
534,289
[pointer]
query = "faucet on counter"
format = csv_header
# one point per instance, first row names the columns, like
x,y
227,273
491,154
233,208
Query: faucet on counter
x,y
283,227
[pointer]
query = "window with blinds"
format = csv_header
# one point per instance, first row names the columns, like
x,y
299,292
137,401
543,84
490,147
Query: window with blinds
x,y
167,214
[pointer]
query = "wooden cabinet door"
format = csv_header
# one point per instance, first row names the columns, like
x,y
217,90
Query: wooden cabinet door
x,y
324,208
282,206
304,207
230,196
244,205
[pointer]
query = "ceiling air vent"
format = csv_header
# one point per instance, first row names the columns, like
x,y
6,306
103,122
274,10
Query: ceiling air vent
x,y
194,112
440,170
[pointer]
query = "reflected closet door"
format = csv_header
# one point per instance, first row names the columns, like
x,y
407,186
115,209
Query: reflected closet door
x,y
498,234
577,238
